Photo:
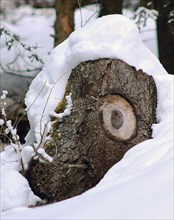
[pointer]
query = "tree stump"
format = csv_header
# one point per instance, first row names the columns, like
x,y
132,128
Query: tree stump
x,y
113,110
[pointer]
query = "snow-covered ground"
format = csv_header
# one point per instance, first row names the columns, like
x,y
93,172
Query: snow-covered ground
x,y
140,186
35,27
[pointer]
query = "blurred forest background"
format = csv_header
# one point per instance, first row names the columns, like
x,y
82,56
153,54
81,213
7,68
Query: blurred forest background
x,y
30,29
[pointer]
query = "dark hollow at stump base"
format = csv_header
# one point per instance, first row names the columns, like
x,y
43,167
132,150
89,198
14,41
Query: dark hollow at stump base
x,y
113,110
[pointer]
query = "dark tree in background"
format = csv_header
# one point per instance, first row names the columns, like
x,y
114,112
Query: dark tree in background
x,y
110,7
165,32
64,23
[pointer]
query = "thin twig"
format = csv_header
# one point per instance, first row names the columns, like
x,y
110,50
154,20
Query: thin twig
x,y
47,103
27,110
13,61
16,74
80,8
92,16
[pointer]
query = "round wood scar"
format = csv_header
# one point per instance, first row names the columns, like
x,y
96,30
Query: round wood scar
x,y
118,117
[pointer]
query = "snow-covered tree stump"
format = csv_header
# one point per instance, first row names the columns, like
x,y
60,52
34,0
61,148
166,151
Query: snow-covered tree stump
x,y
113,110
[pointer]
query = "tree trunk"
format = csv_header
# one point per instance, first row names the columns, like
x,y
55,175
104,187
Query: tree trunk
x,y
64,23
113,110
165,33
110,7
165,30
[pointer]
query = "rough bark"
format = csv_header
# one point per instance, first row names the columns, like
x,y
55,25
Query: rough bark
x,y
108,96
64,23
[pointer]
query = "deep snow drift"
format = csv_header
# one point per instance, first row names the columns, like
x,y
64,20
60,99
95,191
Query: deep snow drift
x,y
140,186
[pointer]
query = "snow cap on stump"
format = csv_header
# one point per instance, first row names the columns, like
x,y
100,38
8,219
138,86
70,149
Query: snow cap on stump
x,y
112,36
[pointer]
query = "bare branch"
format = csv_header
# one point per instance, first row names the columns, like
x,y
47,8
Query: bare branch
x,y
92,16
80,8
46,106
14,72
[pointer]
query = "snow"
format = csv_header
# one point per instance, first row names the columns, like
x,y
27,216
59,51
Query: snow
x,y
96,40
15,190
42,152
40,19
86,15
35,27
67,111
140,186
40,33
26,154
147,26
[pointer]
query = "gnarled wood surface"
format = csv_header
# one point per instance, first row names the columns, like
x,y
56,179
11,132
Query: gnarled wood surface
x,y
113,110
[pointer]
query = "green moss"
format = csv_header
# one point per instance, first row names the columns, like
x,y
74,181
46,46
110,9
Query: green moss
x,y
55,121
62,104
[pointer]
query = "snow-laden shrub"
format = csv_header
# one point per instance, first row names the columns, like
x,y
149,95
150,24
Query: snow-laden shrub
x,y
15,151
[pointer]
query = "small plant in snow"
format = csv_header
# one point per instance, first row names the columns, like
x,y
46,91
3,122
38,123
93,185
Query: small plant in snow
x,y
142,14
15,149
23,52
